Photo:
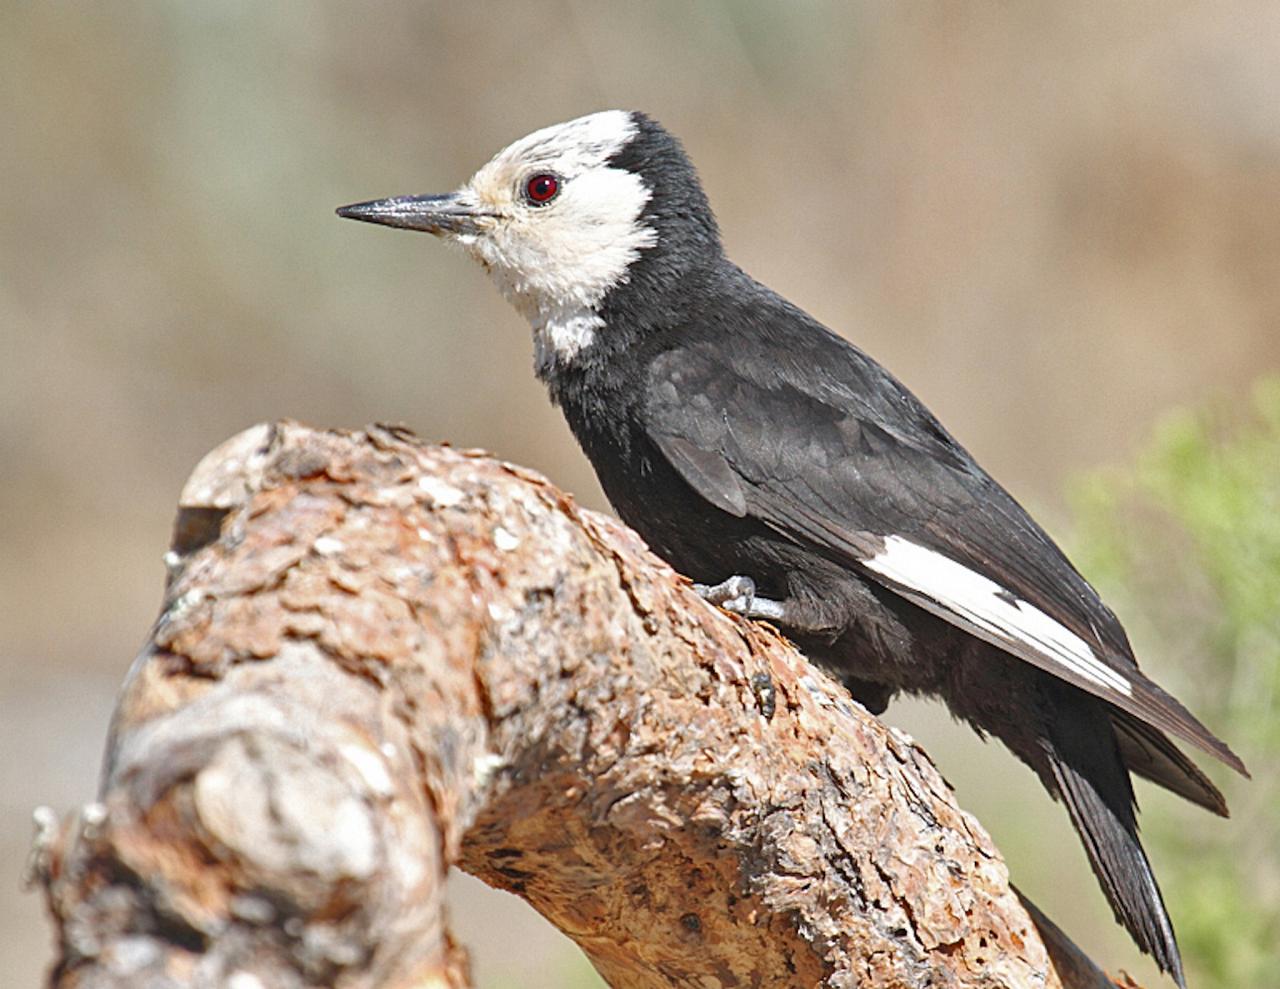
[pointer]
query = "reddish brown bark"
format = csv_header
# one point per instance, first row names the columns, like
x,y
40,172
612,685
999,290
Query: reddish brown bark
x,y
377,658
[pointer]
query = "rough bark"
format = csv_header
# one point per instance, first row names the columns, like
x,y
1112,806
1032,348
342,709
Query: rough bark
x,y
377,658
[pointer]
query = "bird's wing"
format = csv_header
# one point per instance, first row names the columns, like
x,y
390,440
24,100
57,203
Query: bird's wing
x,y
828,450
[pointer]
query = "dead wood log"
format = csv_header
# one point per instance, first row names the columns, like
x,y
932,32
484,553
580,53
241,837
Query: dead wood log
x,y
377,658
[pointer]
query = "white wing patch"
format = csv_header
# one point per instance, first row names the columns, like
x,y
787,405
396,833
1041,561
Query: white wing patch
x,y
989,607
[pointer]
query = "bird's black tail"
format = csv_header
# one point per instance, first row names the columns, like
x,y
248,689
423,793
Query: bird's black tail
x,y
1095,786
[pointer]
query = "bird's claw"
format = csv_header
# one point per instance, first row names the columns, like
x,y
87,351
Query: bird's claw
x,y
737,594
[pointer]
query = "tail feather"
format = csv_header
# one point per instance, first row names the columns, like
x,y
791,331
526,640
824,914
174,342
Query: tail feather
x,y
1152,755
1094,784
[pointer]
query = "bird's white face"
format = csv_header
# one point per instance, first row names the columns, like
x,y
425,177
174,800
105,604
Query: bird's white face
x,y
562,226
549,220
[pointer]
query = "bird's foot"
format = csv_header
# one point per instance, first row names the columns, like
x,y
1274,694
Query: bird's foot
x,y
738,594
735,594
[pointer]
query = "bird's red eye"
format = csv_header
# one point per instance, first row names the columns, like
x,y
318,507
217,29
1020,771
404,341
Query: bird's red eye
x,y
541,188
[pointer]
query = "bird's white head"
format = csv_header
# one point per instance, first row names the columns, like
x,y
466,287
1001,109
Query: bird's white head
x,y
557,219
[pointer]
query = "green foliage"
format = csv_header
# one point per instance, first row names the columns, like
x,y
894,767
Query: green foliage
x,y
1186,544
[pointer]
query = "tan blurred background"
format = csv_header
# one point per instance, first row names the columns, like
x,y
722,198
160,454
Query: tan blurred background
x,y
1053,221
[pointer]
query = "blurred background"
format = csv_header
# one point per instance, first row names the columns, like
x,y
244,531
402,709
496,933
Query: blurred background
x,y
1059,224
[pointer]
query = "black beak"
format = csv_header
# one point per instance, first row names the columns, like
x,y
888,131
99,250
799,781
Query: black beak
x,y
447,214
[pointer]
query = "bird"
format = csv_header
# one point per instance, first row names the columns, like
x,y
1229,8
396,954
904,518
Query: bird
x,y
795,480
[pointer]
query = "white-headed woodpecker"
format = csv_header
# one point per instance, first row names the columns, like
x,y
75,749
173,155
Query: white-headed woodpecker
x,y
800,482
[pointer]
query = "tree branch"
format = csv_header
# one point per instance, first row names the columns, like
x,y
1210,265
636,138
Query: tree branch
x,y
378,658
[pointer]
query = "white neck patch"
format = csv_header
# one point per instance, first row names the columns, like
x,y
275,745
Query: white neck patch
x,y
555,263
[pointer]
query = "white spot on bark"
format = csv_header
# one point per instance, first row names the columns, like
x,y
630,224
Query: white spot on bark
x,y
504,540
370,766
244,980
328,546
484,767
439,494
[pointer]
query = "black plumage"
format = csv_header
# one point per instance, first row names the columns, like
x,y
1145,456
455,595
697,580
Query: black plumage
x,y
738,436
